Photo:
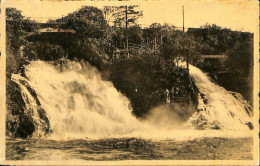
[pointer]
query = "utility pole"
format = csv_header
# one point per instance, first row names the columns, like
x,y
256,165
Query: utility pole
x,y
183,19
126,22
188,56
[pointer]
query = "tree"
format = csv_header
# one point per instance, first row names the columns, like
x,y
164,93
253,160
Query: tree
x,y
122,16
166,30
88,22
157,34
15,29
109,12
135,34
156,31
188,47
125,15
181,45
215,39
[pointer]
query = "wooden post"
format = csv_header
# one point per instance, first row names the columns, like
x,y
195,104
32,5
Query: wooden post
x,y
183,19
126,23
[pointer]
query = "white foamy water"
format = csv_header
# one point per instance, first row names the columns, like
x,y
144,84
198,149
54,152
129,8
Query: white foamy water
x,y
220,108
31,106
79,104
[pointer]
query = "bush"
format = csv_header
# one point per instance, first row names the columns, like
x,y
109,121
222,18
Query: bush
x,y
144,80
44,51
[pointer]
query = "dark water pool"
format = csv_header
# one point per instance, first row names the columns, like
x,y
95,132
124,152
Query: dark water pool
x,y
130,149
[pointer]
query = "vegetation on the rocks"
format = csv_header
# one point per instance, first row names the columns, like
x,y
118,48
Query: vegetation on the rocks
x,y
145,75
238,46
144,81
16,32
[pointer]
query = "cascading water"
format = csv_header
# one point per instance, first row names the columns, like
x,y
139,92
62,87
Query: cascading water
x,y
218,108
78,103
33,111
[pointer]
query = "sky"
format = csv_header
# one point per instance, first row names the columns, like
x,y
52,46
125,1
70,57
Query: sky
x,y
234,14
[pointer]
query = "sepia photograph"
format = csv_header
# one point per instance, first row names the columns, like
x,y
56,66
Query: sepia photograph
x,y
153,82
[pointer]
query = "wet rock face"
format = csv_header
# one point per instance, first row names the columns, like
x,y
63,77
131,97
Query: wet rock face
x,y
15,103
204,98
26,127
247,106
42,115
15,107
20,122
32,92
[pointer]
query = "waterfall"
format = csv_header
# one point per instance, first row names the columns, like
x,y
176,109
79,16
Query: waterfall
x,y
77,101
218,108
74,101
33,112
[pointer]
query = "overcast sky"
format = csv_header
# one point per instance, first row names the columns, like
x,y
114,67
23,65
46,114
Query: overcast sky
x,y
235,14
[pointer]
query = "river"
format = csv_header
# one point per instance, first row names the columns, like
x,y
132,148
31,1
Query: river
x,y
131,149
90,120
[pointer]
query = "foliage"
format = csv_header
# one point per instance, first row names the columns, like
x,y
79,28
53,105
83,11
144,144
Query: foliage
x,y
157,32
144,80
238,46
15,33
90,42
214,39
88,22
241,54
109,12
118,15
124,16
44,51
135,35
15,30
179,45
